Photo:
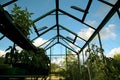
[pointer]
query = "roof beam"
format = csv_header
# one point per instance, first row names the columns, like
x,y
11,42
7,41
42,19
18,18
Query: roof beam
x,y
51,46
71,32
105,20
77,8
68,47
8,3
75,39
69,41
68,44
86,11
105,2
12,32
44,32
48,41
2,37
39,18
57,18
79,20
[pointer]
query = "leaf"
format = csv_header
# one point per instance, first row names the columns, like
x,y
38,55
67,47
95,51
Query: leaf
x,y
22,19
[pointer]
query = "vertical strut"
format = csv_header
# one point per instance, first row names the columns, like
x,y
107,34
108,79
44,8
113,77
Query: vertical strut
x,y
57,18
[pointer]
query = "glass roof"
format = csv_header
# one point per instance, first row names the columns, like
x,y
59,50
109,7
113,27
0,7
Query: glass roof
x,y
70,23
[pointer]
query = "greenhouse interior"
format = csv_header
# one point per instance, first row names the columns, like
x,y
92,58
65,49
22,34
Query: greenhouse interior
x,y
59,40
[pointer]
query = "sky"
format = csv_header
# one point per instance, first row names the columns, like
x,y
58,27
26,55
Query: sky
x,y
110,35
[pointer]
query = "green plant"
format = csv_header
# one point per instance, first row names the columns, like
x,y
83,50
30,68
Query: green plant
x,y
38,58
21,19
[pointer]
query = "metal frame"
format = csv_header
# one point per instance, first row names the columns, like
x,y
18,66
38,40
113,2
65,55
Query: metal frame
x,y
115,8
25,43
105,20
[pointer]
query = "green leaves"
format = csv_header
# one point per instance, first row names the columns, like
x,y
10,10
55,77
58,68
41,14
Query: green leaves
x,y
22,19
37,59
101,67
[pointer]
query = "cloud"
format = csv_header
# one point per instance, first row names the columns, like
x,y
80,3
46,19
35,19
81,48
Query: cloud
x,y
92,23
56,60
74,47
85,33
39,41
113,52
112,1
18,48
108,32
2,53
36,42
6,8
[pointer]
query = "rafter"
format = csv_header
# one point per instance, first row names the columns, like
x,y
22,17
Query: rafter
x,y
43,16
79,20
8,3
86,10
105,2
72,32
105,20
57,18
69,41
48,41
44,32
48,47
68,48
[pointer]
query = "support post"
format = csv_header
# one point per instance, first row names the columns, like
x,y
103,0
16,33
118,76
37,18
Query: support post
x,y
79,67
57,18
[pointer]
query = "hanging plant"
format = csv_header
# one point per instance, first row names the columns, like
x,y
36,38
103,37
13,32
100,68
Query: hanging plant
x,y
21,19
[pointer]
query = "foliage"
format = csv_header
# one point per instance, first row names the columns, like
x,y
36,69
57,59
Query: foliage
x,y
70,70
117,57
96,67
28,57
94,62
1,60
32,62
54,67
100,67
22,19
2,65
